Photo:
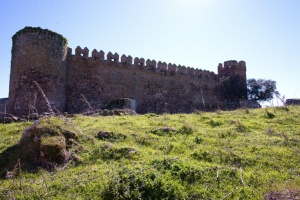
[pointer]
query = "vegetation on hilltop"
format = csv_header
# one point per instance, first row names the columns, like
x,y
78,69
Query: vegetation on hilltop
x,y
241,154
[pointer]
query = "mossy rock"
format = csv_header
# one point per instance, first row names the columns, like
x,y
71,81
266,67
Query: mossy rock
x,y
47,143
49,140
54,149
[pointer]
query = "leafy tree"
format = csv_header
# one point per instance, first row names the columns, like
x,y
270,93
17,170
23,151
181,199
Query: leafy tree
x,y
232,88
235,88
261,89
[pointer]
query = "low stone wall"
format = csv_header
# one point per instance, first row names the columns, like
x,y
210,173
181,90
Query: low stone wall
x,y
3,103
293,101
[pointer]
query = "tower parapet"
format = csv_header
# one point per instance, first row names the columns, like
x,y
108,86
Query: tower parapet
x,y
232,68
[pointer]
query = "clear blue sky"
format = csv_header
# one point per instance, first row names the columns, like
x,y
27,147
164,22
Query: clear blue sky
x,y
195,33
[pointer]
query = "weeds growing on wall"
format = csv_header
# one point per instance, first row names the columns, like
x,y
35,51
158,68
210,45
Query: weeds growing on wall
x,y
62,40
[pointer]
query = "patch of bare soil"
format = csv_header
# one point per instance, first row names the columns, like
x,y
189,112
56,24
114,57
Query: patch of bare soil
x,y
285,194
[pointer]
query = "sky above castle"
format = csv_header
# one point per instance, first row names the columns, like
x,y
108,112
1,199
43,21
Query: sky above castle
x,y
195,33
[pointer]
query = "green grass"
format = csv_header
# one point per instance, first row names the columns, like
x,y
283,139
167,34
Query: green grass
x,y
240,154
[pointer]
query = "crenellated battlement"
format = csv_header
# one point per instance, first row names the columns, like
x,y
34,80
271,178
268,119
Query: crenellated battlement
x,y
160,68
126,60
98,56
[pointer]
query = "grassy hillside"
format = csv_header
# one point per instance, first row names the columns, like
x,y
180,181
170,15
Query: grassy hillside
x,y
242,154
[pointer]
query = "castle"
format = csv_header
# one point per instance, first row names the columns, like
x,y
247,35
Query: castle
x,y
43,65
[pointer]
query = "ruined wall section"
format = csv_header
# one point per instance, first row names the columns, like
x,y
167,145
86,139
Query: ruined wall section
x,y
156,86
37,55
3,104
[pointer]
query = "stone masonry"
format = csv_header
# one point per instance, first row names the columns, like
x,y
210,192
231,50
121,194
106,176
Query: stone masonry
x,y
77,82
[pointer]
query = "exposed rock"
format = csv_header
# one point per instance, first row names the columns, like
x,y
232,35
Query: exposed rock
x,y
293,101
110,136
7,118
107,112
285,194
164,131
168,129
124,103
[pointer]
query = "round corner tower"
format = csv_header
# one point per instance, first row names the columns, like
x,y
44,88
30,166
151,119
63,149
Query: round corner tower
x,y
38,66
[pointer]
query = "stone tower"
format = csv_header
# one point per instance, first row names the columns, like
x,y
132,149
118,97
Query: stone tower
x,y
37,55
232,68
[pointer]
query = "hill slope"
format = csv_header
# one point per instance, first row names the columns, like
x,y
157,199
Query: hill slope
x,y
242,154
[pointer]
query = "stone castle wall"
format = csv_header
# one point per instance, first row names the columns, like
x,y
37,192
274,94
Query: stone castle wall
x,y
75,82
155,87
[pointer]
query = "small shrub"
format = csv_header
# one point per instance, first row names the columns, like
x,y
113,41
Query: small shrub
x,y
270,132
167,148
270,115
198,139
163,131
108,151
228,133
214,123
229,157
164,164
284,108
185,130
198,112
145,140
218,111
149,115
110,136
178,169
240,127
140,183
202,155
